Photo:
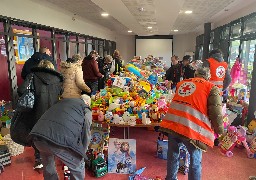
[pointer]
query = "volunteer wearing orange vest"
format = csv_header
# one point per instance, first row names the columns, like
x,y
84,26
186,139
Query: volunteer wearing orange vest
x,y
195,113
220,75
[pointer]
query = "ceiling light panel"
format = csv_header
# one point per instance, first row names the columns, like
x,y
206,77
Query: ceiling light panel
x,y
203,10
147,17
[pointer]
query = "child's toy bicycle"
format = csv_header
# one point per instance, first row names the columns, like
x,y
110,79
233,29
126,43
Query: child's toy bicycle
x,y
233,137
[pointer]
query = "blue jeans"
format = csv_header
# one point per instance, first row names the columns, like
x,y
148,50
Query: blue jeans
x,y
195,167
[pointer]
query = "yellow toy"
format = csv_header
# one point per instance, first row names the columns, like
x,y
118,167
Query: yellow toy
x,y
146,86
252,126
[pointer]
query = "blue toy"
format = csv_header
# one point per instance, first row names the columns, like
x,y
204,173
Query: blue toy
x,y
138,172
152,79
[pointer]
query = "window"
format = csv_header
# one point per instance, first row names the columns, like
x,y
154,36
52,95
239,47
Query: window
x,y
247,56
225,32
72,45
82,46
45,39
101,43
236,31
89,45
250,25
234,51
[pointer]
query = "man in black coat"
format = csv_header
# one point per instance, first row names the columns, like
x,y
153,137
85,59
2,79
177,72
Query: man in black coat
x,y
187,70
44,53
64,131
173,74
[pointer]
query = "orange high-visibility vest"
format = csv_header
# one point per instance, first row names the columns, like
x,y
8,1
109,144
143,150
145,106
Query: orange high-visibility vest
x,y
218,72
187,114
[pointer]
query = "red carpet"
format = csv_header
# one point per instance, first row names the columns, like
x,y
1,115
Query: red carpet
x,y
215,165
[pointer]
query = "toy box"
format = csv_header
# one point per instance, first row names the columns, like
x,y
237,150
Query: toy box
x,y
162,149
5,156
122,156
184,158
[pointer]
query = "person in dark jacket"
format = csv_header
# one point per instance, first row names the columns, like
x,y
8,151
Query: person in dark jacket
x,y
91,71
187,70
173,74
104,67
44,53
64,132
117,62
48,88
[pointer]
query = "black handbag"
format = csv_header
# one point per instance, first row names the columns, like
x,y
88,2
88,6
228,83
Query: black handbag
x,y
27,100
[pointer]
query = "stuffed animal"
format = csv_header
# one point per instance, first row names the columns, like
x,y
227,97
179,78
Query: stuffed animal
x,y
101,116
145,120
109,116
252,126
132,121
126,117
116,119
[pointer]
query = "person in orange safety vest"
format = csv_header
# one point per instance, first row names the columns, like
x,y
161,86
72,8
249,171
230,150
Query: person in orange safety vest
x,y
195,113
220,75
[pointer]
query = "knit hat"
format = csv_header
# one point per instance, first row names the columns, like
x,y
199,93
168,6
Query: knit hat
x,y
203,72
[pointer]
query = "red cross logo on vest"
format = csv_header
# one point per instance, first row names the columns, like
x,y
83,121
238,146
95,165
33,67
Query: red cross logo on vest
x,y
220,72
186,89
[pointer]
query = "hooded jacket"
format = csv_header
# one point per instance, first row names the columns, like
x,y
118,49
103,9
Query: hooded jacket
x,y
66,124
227,79
48,88
34,61
73,80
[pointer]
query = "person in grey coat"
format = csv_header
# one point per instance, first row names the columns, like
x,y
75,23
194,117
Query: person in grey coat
x,y
64,131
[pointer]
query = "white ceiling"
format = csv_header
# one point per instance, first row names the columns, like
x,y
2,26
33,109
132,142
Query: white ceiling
x,y
163,15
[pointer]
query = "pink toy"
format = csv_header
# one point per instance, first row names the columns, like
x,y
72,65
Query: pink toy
x,y
236,71
101,116
233,137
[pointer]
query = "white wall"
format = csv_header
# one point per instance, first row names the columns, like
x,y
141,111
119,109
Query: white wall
x,y
156,47
126,45
184,43
54,16
235,15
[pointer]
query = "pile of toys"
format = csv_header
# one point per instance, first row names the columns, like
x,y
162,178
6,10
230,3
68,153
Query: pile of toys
x,y
134,97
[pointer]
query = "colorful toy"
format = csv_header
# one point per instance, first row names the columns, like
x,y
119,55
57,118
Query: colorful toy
x,y
108,116
252,146
233,137
152,79
132,121
134,70
145,120
101,116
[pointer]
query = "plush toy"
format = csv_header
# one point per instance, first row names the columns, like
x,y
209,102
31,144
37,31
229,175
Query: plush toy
x,y
101,116
109,116
116,119
132,121
252,126
126,117
145,120
134,70
152,79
